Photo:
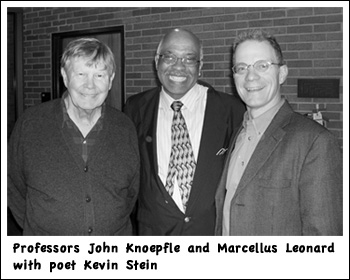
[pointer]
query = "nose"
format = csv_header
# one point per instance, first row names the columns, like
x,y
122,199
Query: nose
x,y
89,83
179,63
251,73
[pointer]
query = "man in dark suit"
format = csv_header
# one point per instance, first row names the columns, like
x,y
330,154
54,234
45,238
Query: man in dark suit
x,y
284,172
166,205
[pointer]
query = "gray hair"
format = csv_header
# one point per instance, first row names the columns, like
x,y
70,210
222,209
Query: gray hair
x,y
89,48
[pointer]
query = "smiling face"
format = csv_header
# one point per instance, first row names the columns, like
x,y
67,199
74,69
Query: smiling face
x,y
179,78
87,83
260,91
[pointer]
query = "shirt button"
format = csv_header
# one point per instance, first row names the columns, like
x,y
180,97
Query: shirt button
x,y
166,202
187,219
85,169
88,199
84,142
90,230
249,138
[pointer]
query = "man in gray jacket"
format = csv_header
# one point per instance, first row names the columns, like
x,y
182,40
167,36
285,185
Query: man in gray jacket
x,y
284,172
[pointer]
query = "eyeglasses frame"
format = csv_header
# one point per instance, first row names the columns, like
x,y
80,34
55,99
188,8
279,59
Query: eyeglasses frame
x,y
247,66
177,58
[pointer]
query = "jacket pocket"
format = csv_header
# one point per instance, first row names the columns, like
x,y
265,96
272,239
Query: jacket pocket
x,y
274,184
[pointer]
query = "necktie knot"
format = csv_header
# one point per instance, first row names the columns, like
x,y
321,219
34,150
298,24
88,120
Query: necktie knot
x,y
176,106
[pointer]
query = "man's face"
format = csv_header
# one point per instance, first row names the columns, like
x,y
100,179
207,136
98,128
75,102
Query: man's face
x,y
87,83
260,91
179,78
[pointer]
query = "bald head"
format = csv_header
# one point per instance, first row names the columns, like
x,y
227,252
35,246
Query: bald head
x,y
180,35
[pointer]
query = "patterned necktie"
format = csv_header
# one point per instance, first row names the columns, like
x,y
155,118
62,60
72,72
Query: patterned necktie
x,y
182,163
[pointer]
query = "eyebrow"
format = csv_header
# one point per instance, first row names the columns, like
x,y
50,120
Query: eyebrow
x,y
188,53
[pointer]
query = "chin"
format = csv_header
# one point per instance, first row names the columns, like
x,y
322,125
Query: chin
x,y
89,107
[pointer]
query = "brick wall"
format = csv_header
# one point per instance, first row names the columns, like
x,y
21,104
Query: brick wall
x,y
311,39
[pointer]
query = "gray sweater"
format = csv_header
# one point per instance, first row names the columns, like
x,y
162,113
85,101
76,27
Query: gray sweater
x,y
52,191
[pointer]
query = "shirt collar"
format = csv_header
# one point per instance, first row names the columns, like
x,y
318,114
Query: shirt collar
x,y
67,119
261,123
189,99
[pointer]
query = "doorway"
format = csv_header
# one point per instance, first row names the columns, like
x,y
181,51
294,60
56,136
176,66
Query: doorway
x,y
14,85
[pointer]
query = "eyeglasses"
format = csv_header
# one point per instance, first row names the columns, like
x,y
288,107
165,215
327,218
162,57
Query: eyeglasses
x,y
260,66
172,59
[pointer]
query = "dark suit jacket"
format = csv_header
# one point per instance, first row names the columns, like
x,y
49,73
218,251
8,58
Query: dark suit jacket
x,y
292,184
157,213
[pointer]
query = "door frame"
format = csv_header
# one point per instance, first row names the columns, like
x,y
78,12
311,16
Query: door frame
x,y
18,57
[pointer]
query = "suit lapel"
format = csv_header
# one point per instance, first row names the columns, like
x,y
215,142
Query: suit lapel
x,y
148,119
222,183
214,129
267,144
221,190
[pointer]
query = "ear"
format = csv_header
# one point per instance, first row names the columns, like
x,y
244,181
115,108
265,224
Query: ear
x,y
200,65
156,59
111,81
65,77
283,73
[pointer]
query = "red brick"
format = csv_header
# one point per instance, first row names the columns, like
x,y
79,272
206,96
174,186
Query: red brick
x,y
335,124
300,12
315,19
328,10
327,27
260,23
273,14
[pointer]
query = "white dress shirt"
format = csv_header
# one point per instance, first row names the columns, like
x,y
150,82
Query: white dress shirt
x,y
193,112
